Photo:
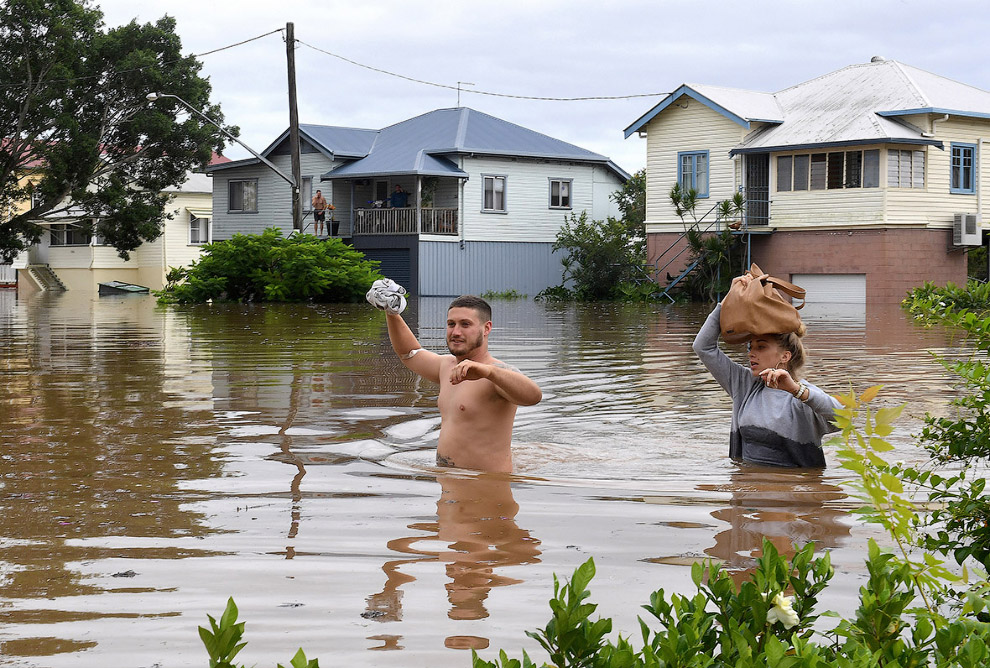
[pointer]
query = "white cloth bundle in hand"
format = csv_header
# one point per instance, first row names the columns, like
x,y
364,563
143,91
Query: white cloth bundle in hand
x,y
387,295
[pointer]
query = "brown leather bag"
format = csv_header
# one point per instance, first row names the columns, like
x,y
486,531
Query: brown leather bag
x,y
759,308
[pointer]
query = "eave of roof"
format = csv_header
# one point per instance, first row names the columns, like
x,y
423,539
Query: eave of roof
x,y
232,164
693,91
934,110
835,144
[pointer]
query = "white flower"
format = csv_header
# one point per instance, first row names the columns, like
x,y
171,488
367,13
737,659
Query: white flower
x,y
782,612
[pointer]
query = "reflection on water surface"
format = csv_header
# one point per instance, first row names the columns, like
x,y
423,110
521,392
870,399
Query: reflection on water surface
x,y
156,461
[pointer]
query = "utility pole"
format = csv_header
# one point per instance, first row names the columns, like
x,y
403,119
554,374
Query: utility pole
x,y
290,57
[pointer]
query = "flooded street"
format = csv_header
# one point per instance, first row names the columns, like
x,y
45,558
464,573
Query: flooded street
x,y
156,461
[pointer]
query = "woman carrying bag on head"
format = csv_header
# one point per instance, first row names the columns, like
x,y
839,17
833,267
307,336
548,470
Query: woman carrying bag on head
x,y
778,419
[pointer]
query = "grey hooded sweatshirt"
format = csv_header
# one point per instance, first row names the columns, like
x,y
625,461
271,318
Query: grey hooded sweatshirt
x,y
770,427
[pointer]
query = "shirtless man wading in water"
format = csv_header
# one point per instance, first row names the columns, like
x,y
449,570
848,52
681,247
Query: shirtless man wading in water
x,y
478,393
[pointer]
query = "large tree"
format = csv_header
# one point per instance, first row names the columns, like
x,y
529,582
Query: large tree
x,y
77,131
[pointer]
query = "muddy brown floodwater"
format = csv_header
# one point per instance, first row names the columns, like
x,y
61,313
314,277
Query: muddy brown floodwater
x,y
156,461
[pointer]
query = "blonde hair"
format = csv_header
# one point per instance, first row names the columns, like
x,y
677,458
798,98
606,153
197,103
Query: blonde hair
x,y
791,342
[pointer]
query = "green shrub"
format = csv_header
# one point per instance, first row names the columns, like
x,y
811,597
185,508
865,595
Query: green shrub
x,y
601,256
268,267
503,294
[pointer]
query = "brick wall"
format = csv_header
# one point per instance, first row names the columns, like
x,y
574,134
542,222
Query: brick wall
x,y
893,260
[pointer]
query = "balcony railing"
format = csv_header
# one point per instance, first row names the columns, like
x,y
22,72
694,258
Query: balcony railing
x,y
403,221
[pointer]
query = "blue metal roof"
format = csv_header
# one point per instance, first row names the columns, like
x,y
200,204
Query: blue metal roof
x,y
424,145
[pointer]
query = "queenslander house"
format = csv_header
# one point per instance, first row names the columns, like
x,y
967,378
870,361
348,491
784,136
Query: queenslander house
x,y
484,199
859,185
68,258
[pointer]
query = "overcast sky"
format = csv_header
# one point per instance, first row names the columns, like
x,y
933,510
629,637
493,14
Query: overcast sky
x,y
545,48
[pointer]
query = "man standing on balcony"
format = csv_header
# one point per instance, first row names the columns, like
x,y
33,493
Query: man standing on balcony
x,y
400,198
320,206
478,393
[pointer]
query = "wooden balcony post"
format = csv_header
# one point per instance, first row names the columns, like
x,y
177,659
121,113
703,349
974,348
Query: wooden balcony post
x,y
419,204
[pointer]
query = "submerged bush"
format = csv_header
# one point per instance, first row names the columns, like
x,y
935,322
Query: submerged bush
x,y
603,261
269,267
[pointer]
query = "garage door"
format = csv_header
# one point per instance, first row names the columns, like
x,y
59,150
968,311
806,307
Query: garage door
x,y
833,288
395,263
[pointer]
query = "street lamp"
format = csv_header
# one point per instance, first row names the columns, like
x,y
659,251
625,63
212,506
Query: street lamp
x,y
151,97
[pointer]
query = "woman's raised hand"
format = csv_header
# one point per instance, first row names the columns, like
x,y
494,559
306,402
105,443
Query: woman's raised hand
x,y
779,379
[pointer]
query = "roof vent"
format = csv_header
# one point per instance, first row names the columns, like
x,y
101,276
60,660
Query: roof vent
x,y
877,59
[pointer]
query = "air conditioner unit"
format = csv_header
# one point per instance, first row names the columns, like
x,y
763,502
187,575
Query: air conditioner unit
x,y
966,230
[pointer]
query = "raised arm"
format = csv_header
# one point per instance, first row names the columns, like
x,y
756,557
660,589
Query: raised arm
x,y
731,376
407,347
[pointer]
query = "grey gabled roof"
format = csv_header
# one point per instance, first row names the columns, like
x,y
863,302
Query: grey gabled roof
x,y
424,145
330,140
858,104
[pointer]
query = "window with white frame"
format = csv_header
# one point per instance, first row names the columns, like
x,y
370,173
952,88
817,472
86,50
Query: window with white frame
x,y
560,193
692,171
905,168
828,171
68,234
36,199
494,193
199,230
307,192
242,196
963,169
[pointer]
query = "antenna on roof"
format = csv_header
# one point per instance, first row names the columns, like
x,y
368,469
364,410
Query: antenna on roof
x,y
466,83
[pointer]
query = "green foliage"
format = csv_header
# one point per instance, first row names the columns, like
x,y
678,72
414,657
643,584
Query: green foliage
x,y
223,641
769,620
503,294
268,267
554,293
684,201
631,200
601,257
606,260
976,264
74,116
719,256
930,303
959,523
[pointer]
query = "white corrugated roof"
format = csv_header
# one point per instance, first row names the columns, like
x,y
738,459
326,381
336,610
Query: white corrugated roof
x,y
854,105
748,104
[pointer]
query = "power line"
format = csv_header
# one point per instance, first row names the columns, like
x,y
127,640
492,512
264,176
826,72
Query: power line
x,y
480,92
138,69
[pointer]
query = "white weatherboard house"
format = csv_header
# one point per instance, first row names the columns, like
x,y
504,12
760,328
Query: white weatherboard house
x,y
486,197
79,261
860,184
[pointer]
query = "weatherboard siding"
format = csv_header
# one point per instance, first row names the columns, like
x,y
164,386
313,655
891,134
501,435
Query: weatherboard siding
x,y
451,269
675,130
274,195
528,216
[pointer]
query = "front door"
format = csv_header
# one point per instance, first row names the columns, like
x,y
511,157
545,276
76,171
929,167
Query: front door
x,y
757,189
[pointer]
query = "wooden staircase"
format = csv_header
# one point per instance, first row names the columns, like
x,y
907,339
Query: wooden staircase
x,y
45,278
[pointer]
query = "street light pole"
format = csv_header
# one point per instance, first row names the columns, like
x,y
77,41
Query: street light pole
x,y
151,97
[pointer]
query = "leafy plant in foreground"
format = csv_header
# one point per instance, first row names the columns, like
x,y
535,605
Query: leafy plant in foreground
x,y
223,641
